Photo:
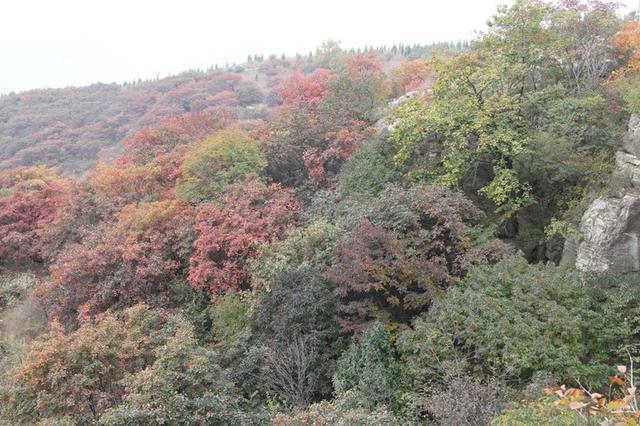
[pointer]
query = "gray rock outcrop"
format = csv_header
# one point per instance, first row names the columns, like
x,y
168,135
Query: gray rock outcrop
x,y
610,227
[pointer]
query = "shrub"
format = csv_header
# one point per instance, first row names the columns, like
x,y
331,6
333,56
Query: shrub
x,y
78,376
543,412
346,410
405,247
467,402
229,317
121,264
311,245
230,231
366,173
299,305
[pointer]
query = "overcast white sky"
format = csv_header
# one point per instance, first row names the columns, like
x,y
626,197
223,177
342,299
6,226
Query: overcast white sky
x,y
55,43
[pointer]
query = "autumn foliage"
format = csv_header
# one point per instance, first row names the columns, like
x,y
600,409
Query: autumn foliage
x,y
231,230
119,265
394,273
294,241
628,42
29,201
409,76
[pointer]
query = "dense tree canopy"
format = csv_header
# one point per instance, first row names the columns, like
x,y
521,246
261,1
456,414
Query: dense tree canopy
x,y
354,236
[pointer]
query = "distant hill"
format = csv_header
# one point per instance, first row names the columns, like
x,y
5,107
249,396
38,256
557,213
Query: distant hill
x,y
72,128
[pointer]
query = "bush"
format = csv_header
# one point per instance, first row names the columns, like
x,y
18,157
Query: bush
x,y
299,305
298,302
185,385
366,173
311,245
67,376
404,248
229,317
345,410
467,402
543,412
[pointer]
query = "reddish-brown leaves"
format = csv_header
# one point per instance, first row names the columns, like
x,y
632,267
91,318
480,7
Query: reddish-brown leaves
x,y
230,232
29,200
124,263
299,89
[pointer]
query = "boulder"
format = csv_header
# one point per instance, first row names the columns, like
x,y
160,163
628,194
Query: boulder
x,y
627,169
631,141
610,229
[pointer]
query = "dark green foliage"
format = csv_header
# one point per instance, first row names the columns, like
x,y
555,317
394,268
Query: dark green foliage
x,y
312,245
515,319
370,369
366,173
229,317
299,304
298,301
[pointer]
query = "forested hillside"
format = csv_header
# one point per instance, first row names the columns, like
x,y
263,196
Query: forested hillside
x,y
73,127
346,238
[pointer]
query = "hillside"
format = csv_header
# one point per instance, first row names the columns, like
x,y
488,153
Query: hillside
x,y
72,128
435,235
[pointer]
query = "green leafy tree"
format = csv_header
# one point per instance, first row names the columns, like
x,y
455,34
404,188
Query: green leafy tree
x,y
184,385
223,159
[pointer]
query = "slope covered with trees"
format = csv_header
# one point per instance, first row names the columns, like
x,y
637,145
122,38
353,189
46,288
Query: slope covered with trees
x,y
378,245
72,128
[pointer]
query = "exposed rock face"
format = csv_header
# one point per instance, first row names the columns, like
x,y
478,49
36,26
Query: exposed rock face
x,y
628,168
610,227
631,142
382,124
610,230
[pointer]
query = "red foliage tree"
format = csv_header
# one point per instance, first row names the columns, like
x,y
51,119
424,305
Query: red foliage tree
x,y
122,264
75,218
153,159
225,99
393,273
324,118
362,65
409,76
376,277
230,232
29,201
301,90
341,144
173,132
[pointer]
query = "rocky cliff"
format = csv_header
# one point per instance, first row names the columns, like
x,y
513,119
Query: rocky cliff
x,y
610,227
